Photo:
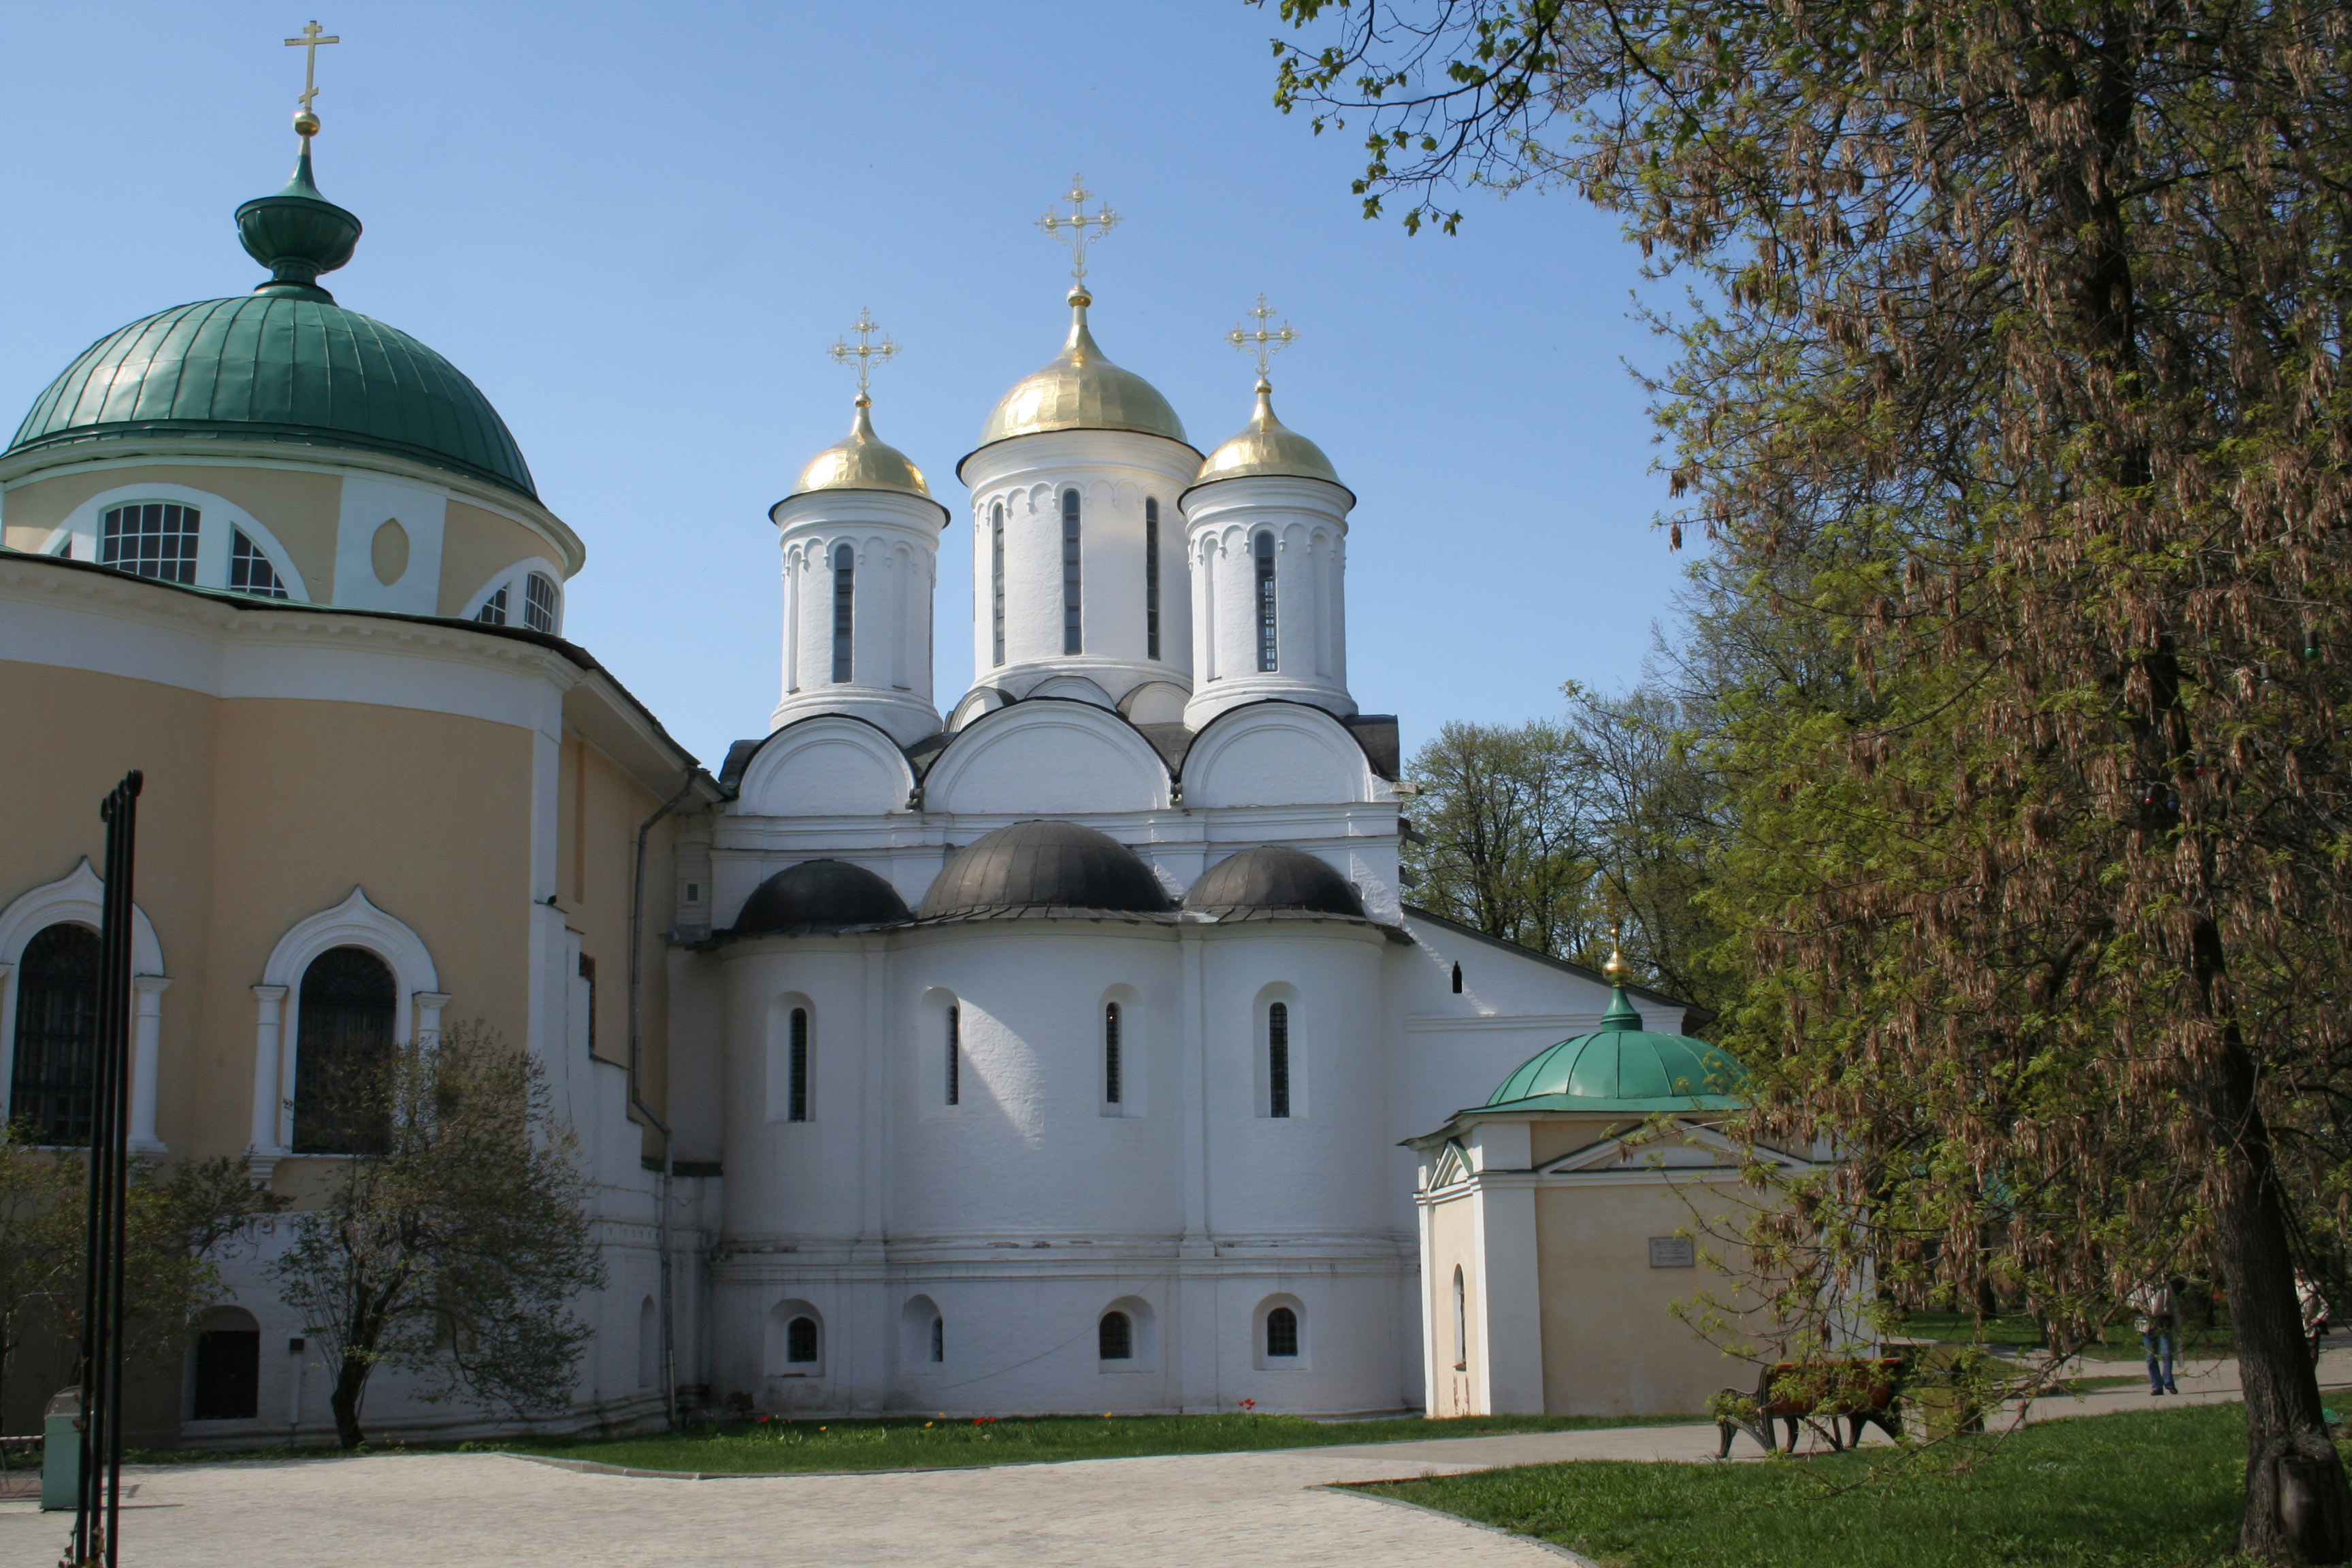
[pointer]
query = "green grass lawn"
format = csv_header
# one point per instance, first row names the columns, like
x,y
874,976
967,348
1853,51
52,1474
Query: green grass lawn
x,y
2152,1489
2017,1330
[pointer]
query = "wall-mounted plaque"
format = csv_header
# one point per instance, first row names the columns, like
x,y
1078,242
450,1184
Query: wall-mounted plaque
x,y
1673,1252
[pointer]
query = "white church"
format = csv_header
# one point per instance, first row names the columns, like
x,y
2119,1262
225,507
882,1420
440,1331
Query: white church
x,y
1047,1047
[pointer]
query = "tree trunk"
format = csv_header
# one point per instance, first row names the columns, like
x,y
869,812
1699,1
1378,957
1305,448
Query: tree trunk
x,y
350,1382
2297,1503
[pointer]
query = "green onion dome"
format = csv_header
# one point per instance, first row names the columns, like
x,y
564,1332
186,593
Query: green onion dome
x,y
283,364
1622,1067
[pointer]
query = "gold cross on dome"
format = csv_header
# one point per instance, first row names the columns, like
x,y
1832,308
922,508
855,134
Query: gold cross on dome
x,y
310,40
1071,227
1260,344
868,354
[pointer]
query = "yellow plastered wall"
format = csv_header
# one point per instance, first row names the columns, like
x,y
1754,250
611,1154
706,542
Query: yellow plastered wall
x,y
475,546
1454,1244
299,509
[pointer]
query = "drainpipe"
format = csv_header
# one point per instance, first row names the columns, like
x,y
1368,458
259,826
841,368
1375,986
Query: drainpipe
x,y
637,1098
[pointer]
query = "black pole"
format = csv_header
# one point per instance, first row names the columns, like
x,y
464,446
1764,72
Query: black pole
x,y
99,1501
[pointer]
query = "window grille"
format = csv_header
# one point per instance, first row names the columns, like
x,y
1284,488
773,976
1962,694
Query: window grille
x,y
1281,1332
493,611
539,603
249,571
1114,1337
1073,631
796,1065
53,1085
844,608
156,539
939,1339
1110,1054
342,1058
1277,1059
800,1341
955,1055
1150,577
1266,650
996,575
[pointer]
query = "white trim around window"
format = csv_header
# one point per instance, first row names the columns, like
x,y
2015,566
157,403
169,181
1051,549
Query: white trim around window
x,y
78,898
77,538
511,578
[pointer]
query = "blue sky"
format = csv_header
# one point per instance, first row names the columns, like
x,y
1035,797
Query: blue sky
x,y
637,228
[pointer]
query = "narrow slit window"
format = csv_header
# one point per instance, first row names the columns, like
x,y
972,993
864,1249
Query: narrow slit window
x,y
1457,980
249,571
1281,1333
1461,1322
1110,1052
1073,630
844,596
800,1341
1114,1337
796,1067
1150,577
1262,549
1277,1059
493,611
156,539
955,1055
939,1339
539,603
996,577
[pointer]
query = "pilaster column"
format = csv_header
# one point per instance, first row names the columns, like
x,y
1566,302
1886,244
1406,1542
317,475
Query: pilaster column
x,y
267,1147
146,1057
429,1015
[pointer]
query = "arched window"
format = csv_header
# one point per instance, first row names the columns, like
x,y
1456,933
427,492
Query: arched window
x,y
493,611
1150,577
649,1344
155,540
939,1339
1114,1337
1457,980
796,1066
845,590
1282,1333
52,1087
800,1341
1110,1052
249,571
1262,547
996,575
1461,1321
955,1055
342,1056
1073,630
539,603
228,1366
1278,1061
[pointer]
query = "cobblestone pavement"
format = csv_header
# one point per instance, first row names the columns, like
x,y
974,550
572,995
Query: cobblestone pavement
x,y
476,1510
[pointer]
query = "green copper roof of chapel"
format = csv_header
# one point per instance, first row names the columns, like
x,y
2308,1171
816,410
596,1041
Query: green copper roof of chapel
x,y
283,364
1622,1067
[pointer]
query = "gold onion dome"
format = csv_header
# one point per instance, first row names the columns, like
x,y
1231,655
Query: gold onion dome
x,y
863,462
1267,446
1081,390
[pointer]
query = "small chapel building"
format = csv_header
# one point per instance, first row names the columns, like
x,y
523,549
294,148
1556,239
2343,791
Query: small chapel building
x,y
1049,1046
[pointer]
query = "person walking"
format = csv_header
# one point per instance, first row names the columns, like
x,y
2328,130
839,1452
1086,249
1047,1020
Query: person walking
x,y
2159,1325
2315,1312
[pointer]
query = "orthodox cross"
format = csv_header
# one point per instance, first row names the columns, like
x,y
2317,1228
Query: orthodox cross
x,y
310,40
868,354
1071,227
1260,344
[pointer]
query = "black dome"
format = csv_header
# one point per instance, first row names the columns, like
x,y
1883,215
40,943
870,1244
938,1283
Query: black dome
x,y
820,895
1274,876
1045,865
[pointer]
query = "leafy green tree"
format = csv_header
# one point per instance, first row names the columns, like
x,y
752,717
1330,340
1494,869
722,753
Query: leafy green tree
x,y
454,1248
1499,839
2016,342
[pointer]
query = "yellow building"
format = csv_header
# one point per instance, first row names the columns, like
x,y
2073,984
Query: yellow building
x,y
289,562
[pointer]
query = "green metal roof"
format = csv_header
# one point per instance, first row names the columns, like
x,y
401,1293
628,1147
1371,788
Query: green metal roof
x,y
1622,1067
278,367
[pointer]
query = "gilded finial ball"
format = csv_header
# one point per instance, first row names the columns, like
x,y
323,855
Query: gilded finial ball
x,y
305,122
1617,970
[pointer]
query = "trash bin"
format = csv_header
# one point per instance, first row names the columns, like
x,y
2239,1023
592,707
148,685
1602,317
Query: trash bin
x,y
61,1451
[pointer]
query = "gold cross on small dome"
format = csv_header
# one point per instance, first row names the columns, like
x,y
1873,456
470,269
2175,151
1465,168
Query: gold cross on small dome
x,y
1071,227
1259,341
868,351
306,123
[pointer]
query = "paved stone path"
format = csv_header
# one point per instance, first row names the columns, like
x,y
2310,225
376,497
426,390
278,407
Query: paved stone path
x,y
477,1511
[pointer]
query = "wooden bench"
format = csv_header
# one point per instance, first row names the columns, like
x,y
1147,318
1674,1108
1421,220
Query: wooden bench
x,y
1863,1392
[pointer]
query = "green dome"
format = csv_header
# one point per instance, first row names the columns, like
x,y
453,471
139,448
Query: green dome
x,y
1622,1067
279,368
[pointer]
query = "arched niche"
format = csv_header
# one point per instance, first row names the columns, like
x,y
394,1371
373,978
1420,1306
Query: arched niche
x,y
79,898
1047,757
1277,754
828,766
